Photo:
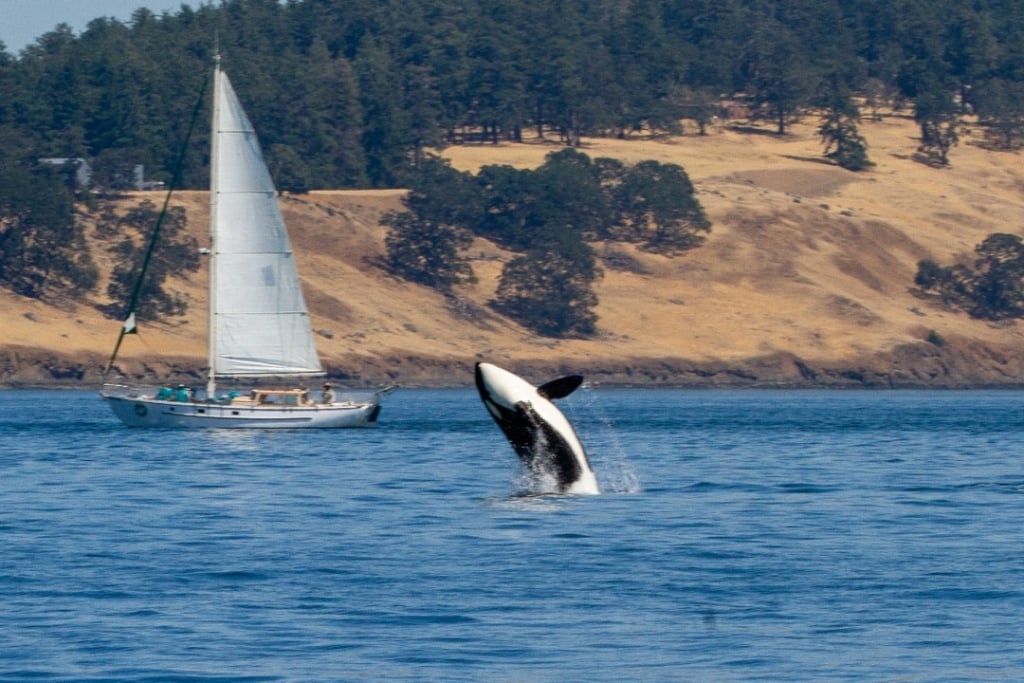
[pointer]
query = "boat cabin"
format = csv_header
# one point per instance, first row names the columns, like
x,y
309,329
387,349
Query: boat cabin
x,y
275,397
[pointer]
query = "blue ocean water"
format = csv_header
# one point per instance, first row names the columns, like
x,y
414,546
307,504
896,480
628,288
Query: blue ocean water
x,y
740,536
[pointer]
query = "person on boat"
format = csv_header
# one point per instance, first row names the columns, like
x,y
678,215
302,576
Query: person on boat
x,y
165,393
328,395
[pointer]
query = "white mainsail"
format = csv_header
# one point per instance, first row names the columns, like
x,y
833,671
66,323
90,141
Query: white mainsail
x,y
259,323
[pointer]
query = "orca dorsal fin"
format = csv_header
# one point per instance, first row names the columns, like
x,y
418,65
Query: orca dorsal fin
x,y
561,387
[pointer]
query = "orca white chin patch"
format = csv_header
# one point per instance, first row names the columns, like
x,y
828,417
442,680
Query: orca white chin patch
x,y
539,433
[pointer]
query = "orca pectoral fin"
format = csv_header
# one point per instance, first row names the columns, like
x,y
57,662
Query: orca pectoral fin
x,y
561,387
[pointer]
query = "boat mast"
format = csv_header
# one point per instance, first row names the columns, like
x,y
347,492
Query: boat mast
x,y
211,382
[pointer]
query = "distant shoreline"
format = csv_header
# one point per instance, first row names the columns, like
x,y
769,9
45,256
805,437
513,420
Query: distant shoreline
x,y
911,366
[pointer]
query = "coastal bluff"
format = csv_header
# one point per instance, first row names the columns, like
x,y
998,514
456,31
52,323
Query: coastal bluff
x,y
806,280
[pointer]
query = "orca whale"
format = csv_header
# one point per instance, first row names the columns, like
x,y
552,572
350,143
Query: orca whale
x,y
539,433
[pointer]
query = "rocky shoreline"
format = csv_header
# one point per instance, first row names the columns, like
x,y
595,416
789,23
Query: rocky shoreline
x,y
955,364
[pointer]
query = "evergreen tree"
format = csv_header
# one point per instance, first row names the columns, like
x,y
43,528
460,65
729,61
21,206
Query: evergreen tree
x,y
506,194
647,66
999,283
424,242
991,288
843,142
496,78
288,169
718,31
971,49
548,289
176,253
567,191
387,136
778,73
423,104
427,252
1000,106
699,105
658,209
42,248
328,141
939,119
561,52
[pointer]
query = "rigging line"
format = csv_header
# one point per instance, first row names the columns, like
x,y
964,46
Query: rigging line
x,y
175,179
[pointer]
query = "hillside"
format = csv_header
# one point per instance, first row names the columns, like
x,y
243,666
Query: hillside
x,y
804,281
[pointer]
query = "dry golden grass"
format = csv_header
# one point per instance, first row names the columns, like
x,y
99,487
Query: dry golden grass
x,y
806,263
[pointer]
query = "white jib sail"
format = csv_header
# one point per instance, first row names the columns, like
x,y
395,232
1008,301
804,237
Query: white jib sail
x,y
260,321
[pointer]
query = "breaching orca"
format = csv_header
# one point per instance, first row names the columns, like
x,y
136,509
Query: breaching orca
x,y
538,431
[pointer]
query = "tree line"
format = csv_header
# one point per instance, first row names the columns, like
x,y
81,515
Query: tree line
x,y
351,94
358,93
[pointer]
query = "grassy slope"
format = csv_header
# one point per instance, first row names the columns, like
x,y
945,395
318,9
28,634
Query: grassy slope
x,y
804,279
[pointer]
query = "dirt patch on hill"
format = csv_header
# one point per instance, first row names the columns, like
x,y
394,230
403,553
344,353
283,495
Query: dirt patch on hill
x,y
800,182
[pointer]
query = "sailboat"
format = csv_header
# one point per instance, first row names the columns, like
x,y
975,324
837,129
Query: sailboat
x,y
259,325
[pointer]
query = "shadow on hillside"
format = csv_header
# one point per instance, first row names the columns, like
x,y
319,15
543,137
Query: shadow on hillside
x,y
824,161
754,130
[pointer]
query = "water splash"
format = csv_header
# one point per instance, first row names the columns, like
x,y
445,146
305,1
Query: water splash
x,y
539,480
611,464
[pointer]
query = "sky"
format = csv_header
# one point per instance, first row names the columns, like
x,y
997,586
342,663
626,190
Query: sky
x,y
22,21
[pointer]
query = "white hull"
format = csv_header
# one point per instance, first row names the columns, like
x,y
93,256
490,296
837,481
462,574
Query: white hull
x,y
143,411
